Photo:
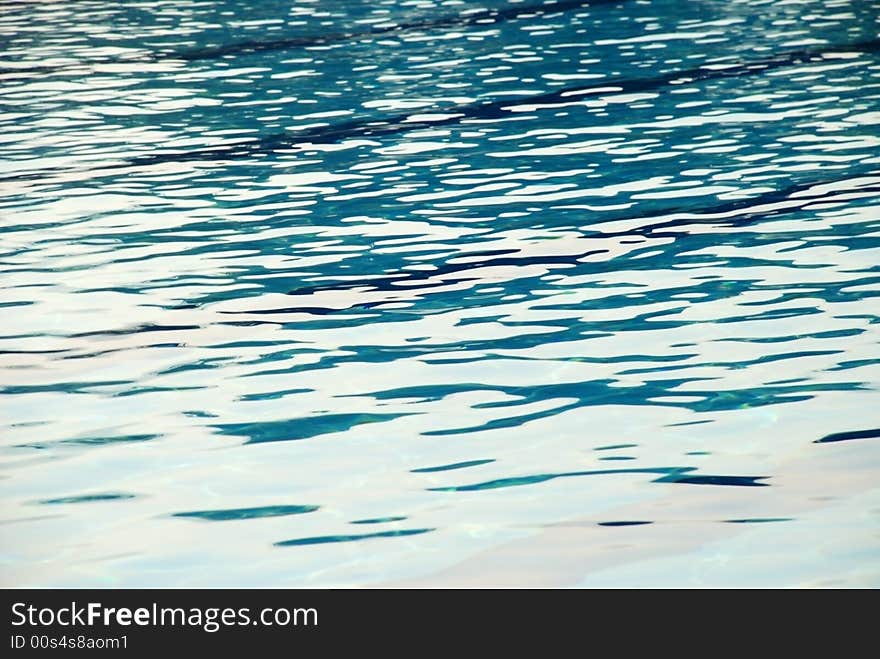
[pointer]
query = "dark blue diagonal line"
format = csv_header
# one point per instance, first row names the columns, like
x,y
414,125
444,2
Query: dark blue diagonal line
x,y
371,127
477,17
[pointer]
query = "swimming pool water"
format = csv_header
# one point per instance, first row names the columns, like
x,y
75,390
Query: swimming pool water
x,y
446,293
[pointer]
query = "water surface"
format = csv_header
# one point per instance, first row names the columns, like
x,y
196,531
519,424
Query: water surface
x,y
574,293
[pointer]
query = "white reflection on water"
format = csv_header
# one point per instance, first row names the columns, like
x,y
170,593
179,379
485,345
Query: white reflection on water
x,y
361,294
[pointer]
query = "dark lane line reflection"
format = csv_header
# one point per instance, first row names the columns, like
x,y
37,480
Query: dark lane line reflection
x,y
392,281
473,17
480,17
493,110
370,127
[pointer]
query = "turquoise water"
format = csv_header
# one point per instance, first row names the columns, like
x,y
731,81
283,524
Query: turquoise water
x,y
440,293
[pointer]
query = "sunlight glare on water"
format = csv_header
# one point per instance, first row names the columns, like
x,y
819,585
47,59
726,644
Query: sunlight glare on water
x,y
537,293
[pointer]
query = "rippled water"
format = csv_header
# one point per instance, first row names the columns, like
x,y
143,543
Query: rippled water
x,y
335,293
